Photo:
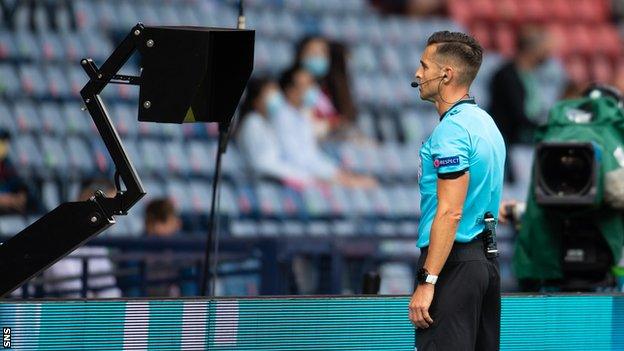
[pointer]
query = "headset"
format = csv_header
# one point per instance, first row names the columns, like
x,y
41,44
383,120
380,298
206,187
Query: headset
x,y
415,84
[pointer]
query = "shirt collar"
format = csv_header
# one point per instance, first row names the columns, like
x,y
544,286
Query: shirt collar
x,y
460,102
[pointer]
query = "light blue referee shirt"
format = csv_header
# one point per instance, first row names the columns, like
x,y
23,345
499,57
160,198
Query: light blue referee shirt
x,y
465,140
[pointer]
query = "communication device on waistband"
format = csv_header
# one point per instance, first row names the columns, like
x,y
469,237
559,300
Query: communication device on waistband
x,y
489,236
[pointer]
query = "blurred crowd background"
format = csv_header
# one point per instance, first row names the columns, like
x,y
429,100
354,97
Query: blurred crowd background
x,y
320,180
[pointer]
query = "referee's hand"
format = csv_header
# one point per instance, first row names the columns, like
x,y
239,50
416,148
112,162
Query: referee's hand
x,y
419,306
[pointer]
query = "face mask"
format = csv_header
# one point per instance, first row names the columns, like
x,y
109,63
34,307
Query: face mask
x,y
316,65
311,96
274,103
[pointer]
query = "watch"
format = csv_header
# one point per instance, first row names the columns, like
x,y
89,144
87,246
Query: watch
x,y
423,277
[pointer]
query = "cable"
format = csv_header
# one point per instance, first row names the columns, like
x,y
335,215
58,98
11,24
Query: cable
x,y
450,103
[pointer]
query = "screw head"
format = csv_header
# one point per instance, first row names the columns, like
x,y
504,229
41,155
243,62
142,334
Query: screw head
x,y
137,32
100,75
84,62
147,104
94,219
150,43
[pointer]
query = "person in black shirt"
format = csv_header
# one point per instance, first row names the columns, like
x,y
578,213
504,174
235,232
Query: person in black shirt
x,y
516,104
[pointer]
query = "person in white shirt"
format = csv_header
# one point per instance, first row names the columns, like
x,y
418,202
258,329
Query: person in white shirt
x,y
257,139
295,132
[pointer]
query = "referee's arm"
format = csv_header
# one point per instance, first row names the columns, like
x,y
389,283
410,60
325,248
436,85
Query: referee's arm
x,y
451,196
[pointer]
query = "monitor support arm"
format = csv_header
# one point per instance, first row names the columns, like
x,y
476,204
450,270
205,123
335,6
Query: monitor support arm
x,y
71,224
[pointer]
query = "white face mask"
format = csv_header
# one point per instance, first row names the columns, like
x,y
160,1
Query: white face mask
x,y
311,97
274,103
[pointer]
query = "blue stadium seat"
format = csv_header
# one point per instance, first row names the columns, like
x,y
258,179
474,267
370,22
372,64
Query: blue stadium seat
x,y
27,45
52,122
390,157
201,156
51,46
269,200
32,81
27,117
125,120
177,158
55,155
340,200
293,228
135,155
269,228
152,157
76,120
200,192
50,195
80,160
7,121
57,83
8,49
344,227
9,81
77,80
244,228
27,155
12,224
98,46
178,191
228,198
319,228
73,47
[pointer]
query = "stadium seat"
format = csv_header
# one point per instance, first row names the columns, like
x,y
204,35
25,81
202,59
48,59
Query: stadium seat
x,y
79,154
27,155
51,47
8,49
7,122
9,81
27,117
12,224
32,81
51,195
55,156
58,85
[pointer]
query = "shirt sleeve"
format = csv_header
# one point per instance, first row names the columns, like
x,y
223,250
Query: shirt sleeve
x,y
450,149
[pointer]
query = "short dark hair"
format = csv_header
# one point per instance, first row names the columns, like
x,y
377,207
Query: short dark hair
x,y
462,47
159,211
287,78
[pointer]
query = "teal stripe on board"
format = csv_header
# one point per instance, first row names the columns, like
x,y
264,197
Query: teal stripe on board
x,y
24,320
81,325
617,323
545,323
324,324
165,324
556,323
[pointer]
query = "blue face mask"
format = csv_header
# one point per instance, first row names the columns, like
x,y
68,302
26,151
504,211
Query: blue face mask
x,y
274,103
311,97
316,65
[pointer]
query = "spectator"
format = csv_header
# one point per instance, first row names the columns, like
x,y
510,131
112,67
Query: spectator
x,y
63,275
517,106
326,62
161,218
13,190
257,139
295,133
163,221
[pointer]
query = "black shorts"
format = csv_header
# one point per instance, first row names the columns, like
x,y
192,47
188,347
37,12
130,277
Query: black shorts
x,y
466,303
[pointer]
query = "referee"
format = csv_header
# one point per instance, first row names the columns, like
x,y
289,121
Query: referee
x,y
456,302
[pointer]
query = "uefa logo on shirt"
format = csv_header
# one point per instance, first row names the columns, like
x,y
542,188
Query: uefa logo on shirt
x,y
446,161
